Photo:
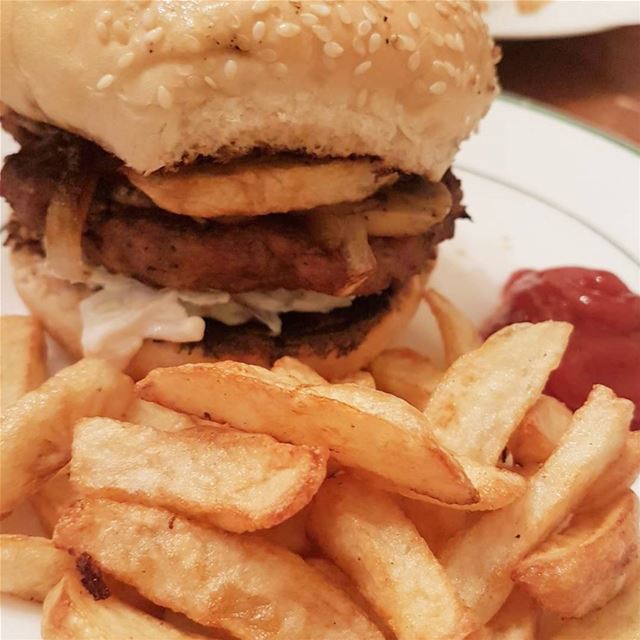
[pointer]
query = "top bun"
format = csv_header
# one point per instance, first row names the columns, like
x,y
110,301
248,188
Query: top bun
x,y
157,83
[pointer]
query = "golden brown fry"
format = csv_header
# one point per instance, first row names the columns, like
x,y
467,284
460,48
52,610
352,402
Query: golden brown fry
x,y
150,414
362,378
341,580
231,479
485,394
53,499
30,566
619,620
35,437
290,534
617,477
368,536
459,334
536,437
23,361
583,567
71,613
246,586
480,561
406,374
292,370
516,620
362,428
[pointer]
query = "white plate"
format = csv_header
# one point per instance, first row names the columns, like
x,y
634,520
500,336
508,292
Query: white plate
x,y
559,18
543,192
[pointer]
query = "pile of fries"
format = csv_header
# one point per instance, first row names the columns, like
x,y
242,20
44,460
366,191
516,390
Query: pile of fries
x,y
410,501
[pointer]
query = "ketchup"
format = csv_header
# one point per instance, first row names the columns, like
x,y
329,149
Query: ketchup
x,y
605,344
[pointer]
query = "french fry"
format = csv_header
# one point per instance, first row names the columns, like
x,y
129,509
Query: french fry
x,y
480,561
35,436
362,378
368,536
362,428
516,620
459,334
341,580
231,479
30,566
617,477
297,372
243,585
55,496
290,534
23,365
486,393
619,620
71,613
406,374
150,414
581,568
536,437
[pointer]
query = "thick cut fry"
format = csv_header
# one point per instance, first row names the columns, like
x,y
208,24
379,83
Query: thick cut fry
x,y
619,620
234,480
297,372
361,427
341,580
54,497
406,374
23,356
150,414
71,613
30,566
480,561
538,434
362,378
485,394
617,477
583,567
245,586
459,334
436,524
35,437
368,536
290,534
516,620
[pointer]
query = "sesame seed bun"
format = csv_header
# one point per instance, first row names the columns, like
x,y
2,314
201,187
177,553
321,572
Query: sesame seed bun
x,y
402,81
336,345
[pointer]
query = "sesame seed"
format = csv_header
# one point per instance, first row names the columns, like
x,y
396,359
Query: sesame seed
x,y
343,14
414,19
125,59
375,42
403,43
234,21
148,18
268,55
279,69
230,68
288,29
309,19
154,35
454,41
364,27
102,31
386,4
363,67
211,82
105,16
260,6
361,99
320,9
105,82
370,14
243,42
321,32
333,50
120,32
436,38
259,29
443,9
438,88
414,61
358,46
165,99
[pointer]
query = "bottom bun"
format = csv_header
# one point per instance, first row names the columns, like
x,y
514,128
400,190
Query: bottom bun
x,y
335,344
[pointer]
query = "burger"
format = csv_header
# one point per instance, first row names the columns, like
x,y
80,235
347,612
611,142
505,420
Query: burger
x,y
243,180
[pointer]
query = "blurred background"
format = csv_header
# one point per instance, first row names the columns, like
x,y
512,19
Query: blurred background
x,y
579,56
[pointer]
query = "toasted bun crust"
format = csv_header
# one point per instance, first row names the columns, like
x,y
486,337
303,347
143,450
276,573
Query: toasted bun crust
x,y
158,83
334,353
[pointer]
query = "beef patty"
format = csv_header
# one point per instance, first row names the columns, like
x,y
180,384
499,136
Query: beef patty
x,y
166,250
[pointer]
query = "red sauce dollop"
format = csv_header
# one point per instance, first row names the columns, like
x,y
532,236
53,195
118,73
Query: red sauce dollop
x,y
605,344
